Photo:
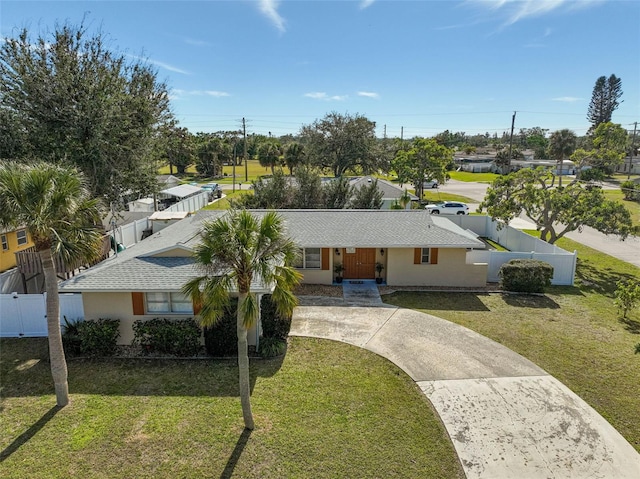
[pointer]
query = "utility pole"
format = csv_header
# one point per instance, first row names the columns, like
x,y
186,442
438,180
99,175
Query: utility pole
x,y
633,146
513,122
401,133
246,167
384,135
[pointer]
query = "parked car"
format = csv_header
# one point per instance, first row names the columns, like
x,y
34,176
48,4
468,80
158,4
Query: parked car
x,y
430,184
448,208
213,189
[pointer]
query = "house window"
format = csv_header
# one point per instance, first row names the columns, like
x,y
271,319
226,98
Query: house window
x,y
5,243
168,303
310,258
22,237
425,257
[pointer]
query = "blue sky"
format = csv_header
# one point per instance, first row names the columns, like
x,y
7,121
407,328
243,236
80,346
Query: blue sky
x,y
425,66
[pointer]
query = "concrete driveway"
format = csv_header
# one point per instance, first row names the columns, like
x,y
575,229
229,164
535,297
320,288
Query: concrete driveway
x,y
506,417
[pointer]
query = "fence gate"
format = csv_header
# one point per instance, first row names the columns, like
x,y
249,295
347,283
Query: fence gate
x,y
25,315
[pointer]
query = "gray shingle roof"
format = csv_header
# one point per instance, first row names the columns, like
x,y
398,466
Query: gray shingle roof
x,y
389,190
136,269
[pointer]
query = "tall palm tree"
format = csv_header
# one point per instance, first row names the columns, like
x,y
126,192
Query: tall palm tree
x,y
235,250
53,204
562,144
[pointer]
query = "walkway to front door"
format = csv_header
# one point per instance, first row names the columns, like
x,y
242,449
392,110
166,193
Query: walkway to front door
x,y
364,292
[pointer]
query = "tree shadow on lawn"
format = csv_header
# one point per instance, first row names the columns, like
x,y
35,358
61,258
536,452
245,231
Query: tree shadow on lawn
x,y
126,377
28,434
235,455
521,300
631,325
600,280
437,301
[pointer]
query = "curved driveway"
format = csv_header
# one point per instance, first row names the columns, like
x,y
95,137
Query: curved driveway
x,y
507,418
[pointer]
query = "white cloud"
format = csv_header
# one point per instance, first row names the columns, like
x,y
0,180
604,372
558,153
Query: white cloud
x,y
177,93
217,94
320,95
567,99
269,8
366,4
160,64
368,94
516,10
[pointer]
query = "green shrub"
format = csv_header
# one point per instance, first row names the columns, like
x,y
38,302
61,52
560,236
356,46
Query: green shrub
x,y
93,337
273,325
180,337
630,190
272,347
222,338
627,297
71,337
525,275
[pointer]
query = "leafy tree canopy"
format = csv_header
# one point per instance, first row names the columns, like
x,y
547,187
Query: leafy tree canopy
x,y
556,211
68,99
367,197
426,158
341,143
607,148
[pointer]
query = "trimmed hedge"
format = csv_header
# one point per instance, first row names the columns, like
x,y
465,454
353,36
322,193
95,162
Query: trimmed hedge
x,y
180,337
93,337
273,325
525,275
221,339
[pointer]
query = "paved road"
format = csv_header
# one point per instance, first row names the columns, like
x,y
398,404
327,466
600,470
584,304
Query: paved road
x,y
506,417
628,250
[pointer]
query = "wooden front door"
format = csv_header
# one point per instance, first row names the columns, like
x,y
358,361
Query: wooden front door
x,y
361,264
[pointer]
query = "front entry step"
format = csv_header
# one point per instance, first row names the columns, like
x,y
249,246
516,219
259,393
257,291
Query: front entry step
x,y
361,292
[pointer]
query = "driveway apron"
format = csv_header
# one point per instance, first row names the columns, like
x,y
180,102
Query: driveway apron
x,y
506,417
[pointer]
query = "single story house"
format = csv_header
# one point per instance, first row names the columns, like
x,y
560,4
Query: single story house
x,y
416,249
391,193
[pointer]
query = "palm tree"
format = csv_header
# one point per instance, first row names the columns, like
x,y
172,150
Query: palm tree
x,y
53,204
294,155
562,144
235,250
270,154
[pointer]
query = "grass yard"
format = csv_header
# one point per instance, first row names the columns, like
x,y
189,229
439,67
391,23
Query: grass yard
x,y
574,333
632,206
434,196
223,203
325,410
473,177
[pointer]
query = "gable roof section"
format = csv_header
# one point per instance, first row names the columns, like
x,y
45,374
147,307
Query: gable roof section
x,y
389,190
182,191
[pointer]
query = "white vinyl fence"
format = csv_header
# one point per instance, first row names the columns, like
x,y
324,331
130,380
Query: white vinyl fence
x,y
131,233
520,246
25,315
193,203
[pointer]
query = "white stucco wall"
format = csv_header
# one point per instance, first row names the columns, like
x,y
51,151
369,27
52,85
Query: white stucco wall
x,y
451,269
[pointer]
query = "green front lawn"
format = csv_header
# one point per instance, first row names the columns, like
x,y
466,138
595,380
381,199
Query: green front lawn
x,y
473,177
574,333
632,206
325,410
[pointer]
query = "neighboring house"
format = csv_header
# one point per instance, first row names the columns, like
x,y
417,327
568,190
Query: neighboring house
x,y
416,249
391,193
167,181
12,241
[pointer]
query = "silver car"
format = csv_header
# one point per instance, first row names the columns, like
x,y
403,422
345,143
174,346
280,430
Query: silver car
x,y
448,208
